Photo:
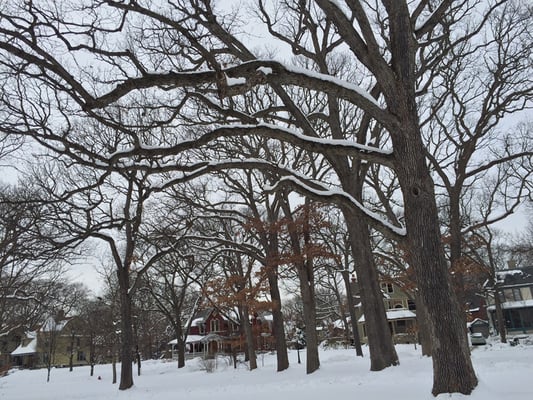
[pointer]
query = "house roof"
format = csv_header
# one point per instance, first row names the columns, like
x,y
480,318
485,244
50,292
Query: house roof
x,y
340,324
30,348
199,338
515,276
477,321
395,314
202,315
190,339
53,325
513,304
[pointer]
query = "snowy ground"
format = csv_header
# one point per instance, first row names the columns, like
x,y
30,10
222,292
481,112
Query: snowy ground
x,y
504,372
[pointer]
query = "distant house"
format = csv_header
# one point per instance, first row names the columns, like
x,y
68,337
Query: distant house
x,y
211,332
57,340
515,290
9,341
400,309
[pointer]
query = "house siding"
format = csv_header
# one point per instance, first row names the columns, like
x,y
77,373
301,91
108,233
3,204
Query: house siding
x,y
515,290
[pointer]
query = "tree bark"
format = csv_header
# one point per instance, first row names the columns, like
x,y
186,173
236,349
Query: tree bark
x,y
353,317
92,350
424,334
71,355
278,325
452,366
114,367
248,333
126,372
306,280
502,329
453,371
381,348
181,351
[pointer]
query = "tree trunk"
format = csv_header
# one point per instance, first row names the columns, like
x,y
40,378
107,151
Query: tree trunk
x,y
456,252
502,329
304,269
353,317
181,348
180,344
309,315
138,360
114,367
452,366
278,325
453,370
92,355
248,333
71,355
424,334
126,372
381,348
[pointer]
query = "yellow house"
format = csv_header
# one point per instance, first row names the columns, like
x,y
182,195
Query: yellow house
x,y
58,342
401,314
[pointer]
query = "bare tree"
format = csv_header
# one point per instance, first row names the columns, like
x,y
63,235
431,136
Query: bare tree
x,y
201,63
521,248
65,298
30,263
465,122
170,283
336,239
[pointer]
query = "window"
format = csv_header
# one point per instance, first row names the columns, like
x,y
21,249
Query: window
x,y
516,295
201,328
215,327
81,356
526,293
508,295
401,326
387,287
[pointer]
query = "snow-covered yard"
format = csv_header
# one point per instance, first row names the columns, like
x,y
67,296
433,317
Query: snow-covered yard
x,y
504,371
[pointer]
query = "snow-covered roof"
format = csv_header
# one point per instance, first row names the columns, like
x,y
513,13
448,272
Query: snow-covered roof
x,y
340,324
190,339
501,275
520,276
395,314
199,338
513,304
30,348
477,321
52,325
266,317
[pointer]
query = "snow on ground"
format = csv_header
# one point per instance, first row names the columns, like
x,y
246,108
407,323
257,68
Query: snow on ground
x,y
504,371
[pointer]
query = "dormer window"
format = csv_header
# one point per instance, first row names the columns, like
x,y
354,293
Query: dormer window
x,y
387,287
